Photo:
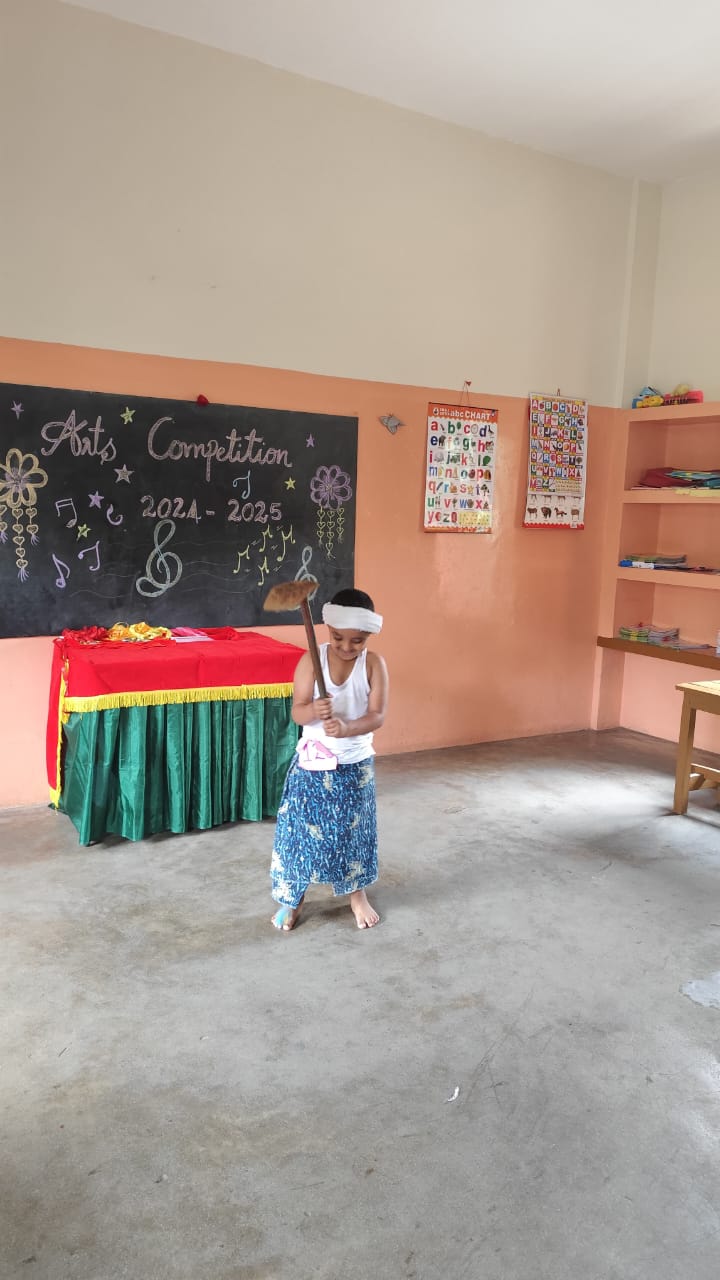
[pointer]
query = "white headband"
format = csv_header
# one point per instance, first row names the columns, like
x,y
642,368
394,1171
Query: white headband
x,y
349,618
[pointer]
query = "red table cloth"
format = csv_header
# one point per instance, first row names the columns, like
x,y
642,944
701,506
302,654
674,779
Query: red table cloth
x,y
97,676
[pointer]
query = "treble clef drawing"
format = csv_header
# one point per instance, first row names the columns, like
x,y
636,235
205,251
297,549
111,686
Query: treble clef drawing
x,y
158,563
303,574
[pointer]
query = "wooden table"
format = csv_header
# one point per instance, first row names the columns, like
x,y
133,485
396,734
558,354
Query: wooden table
x,y
703,695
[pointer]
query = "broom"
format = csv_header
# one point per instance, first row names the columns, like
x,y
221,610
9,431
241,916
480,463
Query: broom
x,y
294,595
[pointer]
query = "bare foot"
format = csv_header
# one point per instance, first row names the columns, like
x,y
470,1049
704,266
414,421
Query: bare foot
x,y
287,917
365,915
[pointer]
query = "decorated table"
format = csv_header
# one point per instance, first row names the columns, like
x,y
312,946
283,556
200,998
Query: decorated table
x,y
171,732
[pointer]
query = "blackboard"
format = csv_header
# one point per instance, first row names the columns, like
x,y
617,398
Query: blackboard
x,y
118,508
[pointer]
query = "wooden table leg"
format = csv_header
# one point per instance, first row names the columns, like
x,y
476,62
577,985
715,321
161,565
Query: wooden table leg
x,y
685,746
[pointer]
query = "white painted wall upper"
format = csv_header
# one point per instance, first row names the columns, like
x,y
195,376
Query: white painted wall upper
x,y
687,293
171,198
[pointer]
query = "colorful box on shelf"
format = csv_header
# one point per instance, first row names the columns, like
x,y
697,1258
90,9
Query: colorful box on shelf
x,y
651,398
687,397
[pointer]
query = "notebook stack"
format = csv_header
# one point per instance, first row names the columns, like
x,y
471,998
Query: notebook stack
x,y
650,634
666,562
663,635
639,633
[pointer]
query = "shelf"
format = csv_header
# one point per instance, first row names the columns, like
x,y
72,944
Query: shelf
x,y
671,578
691,657
661,497
659,414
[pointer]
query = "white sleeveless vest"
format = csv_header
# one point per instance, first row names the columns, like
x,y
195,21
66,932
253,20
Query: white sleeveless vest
x,y
350,701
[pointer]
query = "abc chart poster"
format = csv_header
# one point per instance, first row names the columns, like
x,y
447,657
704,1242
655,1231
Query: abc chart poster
x,y
461,442
557,463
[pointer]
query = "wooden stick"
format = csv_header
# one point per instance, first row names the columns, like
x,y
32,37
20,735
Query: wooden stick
x,y
287,596
313,647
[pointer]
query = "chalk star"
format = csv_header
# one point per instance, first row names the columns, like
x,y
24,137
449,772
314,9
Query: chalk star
x,y
289,483
17,409
96,499
309,443
122,473
83,530
128,415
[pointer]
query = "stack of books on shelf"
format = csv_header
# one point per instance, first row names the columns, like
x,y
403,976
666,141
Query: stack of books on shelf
x,y
678,564
639,633
678,478
655,562
669,637
663,635
650,634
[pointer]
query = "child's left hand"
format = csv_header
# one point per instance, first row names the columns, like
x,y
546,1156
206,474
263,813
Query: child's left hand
x,y
335,727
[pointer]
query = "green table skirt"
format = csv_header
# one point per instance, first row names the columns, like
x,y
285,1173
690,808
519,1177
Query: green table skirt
x,y
138,770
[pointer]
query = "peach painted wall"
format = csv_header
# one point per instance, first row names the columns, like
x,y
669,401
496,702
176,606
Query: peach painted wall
x,y
486,637
651,704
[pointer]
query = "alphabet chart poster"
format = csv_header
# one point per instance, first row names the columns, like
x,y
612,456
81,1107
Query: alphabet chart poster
x,y
557,463
461,443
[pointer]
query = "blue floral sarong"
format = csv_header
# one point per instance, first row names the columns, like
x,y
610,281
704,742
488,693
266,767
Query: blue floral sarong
x,y
326,831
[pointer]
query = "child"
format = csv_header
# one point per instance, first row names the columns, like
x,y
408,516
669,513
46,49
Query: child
x,y
326,826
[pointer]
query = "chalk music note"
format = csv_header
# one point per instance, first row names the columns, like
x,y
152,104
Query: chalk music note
x,y
109,518
266,535
96,548
246,491
242,555
286,537
303,574
264,571
158,562
60,565
67,502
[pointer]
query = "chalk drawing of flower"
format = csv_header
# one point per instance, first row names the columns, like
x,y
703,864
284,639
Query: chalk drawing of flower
x,y
20,477
330,487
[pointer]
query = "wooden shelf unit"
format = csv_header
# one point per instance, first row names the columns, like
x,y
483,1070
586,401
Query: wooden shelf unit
x,y
692,657
673,497
658,521
671,578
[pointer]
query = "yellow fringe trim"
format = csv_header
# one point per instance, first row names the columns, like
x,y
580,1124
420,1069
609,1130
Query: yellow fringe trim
x,y
166,697
56,791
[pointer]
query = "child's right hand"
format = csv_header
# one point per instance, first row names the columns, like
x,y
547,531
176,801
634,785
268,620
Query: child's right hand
x,y
323,708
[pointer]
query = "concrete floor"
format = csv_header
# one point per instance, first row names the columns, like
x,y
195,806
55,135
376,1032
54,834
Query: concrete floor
x,y
189,1095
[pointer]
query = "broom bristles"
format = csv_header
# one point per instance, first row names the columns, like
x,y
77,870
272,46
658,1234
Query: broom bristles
x,y
289,595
